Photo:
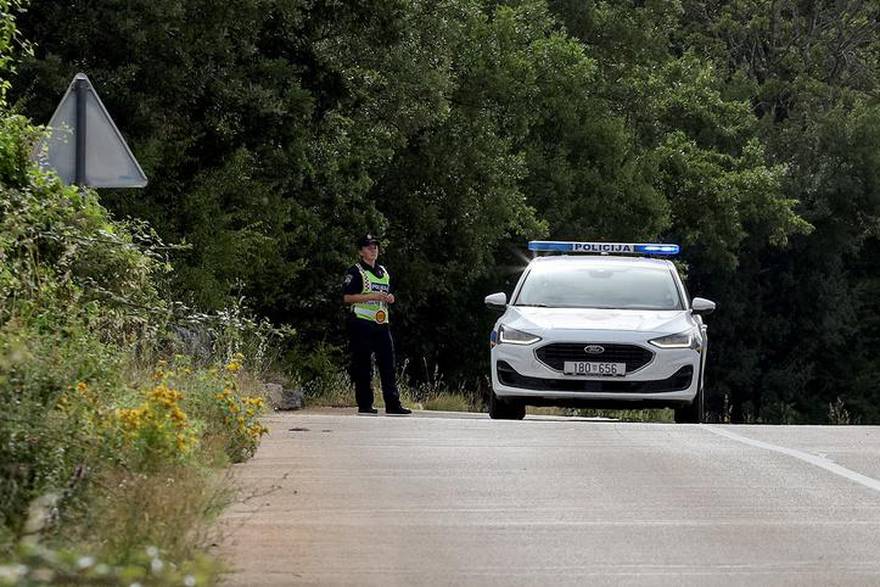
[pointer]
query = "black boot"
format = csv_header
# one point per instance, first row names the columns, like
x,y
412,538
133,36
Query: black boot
x,y
397,410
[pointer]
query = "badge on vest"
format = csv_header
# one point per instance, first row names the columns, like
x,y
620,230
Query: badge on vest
x,y
380,317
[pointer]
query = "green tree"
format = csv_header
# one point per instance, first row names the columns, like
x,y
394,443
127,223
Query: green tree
x,y
809,71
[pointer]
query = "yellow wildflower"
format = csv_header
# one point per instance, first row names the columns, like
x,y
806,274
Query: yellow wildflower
x,y
179,416
182,443
130,418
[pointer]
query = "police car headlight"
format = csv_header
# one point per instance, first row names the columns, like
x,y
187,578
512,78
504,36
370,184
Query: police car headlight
x,y
508,335
690,339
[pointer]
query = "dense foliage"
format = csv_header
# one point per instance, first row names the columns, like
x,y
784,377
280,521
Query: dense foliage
x,y
274,131
103,446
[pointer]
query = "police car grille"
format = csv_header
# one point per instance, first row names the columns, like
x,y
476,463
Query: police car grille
x,y
555,355
679,380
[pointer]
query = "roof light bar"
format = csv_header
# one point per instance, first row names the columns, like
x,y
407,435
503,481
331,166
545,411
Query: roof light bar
x,y
605,248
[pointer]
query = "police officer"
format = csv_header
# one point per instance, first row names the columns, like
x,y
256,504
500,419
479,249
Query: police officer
x,y
367,290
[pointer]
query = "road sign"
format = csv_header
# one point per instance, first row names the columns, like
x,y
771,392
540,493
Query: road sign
x,y
85,147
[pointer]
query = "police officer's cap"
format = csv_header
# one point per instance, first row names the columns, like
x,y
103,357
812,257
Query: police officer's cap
x,y
367,240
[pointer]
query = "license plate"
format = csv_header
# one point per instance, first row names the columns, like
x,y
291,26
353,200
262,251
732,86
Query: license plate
x,y
585,368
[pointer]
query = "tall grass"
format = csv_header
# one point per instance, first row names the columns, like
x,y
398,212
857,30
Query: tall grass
x,y
173,508
450,402
112,475
332,387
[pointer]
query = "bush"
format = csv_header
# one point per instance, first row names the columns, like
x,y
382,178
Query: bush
x,y
126,463
154,433
233,331
97,447
172,507
157,482
38,565
42,446
63,256
74,286
215,396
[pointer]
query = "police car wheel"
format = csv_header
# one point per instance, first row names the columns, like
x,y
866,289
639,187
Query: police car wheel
x,y
505,410
692,414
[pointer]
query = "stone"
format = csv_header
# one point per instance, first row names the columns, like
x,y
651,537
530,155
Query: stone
x,y
280,398
194,341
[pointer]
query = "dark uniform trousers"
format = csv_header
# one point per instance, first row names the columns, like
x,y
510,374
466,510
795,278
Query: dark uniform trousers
x,y
366,338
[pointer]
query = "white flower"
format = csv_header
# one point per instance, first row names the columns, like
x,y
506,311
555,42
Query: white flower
x,y
156,566
152,552
189,581
12,573
85,562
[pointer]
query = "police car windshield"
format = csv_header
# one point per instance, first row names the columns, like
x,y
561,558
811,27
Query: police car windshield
x,y
608,286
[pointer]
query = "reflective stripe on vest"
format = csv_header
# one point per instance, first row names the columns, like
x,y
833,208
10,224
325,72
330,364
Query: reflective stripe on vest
x,y
373,311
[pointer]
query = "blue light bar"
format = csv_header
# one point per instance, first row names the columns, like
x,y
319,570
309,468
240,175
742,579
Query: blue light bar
x,y
605,248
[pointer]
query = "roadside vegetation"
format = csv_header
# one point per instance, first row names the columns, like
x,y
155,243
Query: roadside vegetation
x,y
333,388
114,434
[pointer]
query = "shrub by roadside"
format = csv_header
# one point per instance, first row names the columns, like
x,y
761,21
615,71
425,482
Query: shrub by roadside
x,y
111,463
167,486
106,468
38,565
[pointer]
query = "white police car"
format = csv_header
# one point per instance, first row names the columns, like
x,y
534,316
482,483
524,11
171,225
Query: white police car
x,y
602,330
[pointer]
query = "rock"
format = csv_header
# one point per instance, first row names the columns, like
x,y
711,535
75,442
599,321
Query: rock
x,y
284,399
193,340
42,514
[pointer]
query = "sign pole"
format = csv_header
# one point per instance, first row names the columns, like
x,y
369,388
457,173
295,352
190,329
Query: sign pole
x,y
80,174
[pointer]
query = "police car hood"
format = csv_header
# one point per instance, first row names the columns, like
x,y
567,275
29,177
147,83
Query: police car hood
x,y
534,319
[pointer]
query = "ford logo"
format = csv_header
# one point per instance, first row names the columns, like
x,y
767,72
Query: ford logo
x,y
594,349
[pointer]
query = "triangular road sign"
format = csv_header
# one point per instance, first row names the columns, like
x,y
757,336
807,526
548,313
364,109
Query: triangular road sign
x,y
85,146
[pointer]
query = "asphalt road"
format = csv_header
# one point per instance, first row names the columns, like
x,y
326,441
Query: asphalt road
x,y
443,499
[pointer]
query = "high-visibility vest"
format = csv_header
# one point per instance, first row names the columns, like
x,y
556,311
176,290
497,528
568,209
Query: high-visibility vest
x,y
373,311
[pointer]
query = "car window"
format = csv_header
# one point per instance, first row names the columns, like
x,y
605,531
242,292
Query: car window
x,y
605,286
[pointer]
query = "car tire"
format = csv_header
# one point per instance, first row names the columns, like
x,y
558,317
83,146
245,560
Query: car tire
x,y
693,413
500,409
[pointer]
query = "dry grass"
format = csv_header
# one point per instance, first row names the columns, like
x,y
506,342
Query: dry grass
x,y
333,391
449,402
339,393
332,398
649,415
173,509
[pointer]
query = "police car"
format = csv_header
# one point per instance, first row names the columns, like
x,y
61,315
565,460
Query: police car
x,y
613,328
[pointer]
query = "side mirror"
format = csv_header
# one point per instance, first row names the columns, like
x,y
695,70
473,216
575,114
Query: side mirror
x,y
497,301
702,306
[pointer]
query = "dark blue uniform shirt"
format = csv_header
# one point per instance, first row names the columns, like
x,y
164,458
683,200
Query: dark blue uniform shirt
x,y
352,282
